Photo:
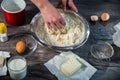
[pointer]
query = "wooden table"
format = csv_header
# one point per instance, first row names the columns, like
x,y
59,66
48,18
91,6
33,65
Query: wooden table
x,y
107,70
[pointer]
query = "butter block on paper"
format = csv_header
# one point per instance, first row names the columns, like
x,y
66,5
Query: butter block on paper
x,y
70,66
1,61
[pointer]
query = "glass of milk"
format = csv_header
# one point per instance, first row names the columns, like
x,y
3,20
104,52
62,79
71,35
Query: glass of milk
x,y
17,67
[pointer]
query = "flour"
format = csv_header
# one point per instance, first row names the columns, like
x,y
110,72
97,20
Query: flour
x,y
71,34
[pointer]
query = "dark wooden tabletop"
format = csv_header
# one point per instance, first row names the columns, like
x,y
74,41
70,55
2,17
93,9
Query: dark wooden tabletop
x,y
107,70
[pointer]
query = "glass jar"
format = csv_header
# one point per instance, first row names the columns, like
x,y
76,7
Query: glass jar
x,y
17,67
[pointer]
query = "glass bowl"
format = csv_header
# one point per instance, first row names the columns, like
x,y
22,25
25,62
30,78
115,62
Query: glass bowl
x,y
35,29
102,50
31,44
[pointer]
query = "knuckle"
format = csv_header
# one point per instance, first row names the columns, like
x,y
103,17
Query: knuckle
x,y
59,17
49,22
64,1
70,2
54,19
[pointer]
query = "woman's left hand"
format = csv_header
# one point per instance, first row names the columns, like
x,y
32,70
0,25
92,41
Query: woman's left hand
x,y
68,3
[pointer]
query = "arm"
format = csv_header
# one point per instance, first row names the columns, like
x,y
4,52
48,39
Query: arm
x,y
50,14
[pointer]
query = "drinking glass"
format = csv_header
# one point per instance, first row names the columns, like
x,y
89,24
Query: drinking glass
x,y
17,67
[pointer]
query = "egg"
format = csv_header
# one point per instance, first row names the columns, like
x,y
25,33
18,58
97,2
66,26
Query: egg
x,y
20,47
94,18
105,17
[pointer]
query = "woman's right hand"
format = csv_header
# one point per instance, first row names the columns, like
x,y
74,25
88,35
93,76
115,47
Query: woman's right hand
x,y
51,16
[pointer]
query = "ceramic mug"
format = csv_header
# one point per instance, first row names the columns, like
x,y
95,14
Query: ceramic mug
x,y
14,12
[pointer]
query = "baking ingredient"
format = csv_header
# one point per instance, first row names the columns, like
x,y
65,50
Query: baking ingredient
x,y
17,69
105,17
70,66
94,18
3,32
3,28
60,39
56,32
72,33
1,61
20,47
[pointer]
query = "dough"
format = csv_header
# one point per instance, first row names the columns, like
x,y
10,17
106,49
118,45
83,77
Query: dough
x,y
69,35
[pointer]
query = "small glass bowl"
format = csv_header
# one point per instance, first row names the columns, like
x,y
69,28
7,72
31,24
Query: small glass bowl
x,y
31,44
102,50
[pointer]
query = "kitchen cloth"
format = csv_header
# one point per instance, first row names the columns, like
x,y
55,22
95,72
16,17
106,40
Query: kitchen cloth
x,y
3,70
116,35
84,73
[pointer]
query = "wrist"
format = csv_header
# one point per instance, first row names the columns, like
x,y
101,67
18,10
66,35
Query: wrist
x,y
40,3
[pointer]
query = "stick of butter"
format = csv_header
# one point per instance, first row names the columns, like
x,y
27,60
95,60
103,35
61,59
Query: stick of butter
x,y
1,61
70,66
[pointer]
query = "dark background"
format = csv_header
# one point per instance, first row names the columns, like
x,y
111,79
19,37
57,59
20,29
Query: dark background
x,y
99,31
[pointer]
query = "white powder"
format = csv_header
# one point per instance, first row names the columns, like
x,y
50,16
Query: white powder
x,y
75,33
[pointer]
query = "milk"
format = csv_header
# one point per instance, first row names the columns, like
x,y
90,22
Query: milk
x,y
17,68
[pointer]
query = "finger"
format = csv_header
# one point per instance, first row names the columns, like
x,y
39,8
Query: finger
x,y
54,23
48,25
53,26
59,25
64,2
72,6
62,22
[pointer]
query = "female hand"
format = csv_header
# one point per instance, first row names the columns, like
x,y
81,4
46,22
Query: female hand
x,y
68,3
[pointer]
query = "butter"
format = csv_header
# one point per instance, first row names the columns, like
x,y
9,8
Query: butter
x,y
1,61
70,66
3,28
